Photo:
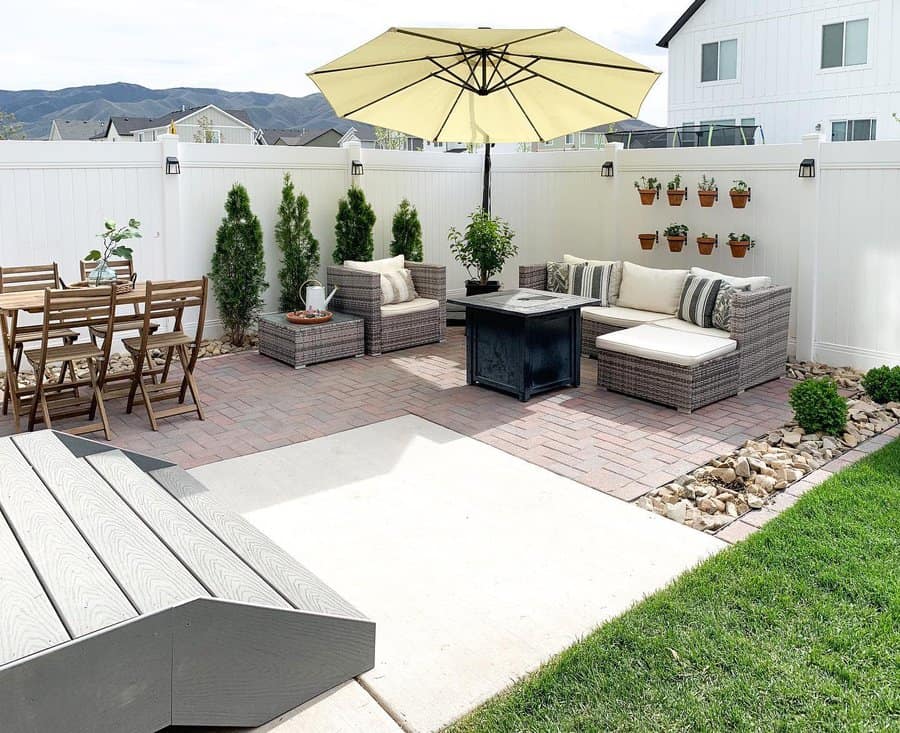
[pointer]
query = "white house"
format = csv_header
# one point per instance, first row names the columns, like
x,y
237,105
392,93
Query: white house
x,y
198,124
792,66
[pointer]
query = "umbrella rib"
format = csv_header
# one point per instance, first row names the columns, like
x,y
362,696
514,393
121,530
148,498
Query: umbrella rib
x,y
464,82
521,108
505,82
455,101
382,63
432,75
598,64
458,44
494,72
539,75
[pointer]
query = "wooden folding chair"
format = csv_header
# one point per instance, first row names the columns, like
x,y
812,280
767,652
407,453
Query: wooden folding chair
x,y
168,300
19,279
70,309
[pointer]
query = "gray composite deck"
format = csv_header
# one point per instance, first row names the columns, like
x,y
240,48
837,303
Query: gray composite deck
x,y
129,601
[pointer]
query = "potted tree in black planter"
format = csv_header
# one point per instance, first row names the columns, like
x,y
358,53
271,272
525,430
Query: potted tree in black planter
x,y
482,249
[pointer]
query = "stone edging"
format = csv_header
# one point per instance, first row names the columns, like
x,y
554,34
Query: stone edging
x,y
731,487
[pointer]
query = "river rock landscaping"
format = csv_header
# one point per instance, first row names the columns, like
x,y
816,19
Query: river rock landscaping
x,y
715,494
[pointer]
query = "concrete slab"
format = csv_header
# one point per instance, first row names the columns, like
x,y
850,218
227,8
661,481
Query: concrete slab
x,y
476,566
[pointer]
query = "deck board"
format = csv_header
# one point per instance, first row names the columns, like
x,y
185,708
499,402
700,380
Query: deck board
x,y
28,621
85,595
302,588
217,567
151,576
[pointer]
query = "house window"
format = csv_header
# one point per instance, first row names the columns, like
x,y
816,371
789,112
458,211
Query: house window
x,y
845,44
570,139
844,130
586,138
719,61
214,136
140,137
548,143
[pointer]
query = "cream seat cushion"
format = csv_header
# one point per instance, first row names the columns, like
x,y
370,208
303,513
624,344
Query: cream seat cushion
x,y
621,317
756,282
410,306
615,280
651,289
666,345
388,264
677,324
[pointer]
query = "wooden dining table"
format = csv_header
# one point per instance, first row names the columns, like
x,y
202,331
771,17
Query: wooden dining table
x,y
32,301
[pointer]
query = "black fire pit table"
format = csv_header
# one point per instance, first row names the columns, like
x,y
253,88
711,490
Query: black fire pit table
x,y
523,341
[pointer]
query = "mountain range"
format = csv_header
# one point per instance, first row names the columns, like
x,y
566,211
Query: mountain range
x,y
37,108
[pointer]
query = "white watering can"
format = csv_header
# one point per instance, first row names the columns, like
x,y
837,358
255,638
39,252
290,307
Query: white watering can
x,y
315,299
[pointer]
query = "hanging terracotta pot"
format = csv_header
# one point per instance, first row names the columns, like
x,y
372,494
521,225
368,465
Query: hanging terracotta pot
x,y
676,244
739,247
676,196
706,245
647,240
739,199
648,196
707,198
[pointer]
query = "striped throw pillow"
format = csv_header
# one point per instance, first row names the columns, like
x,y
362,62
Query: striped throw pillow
x,y
591,281
397,287
698,299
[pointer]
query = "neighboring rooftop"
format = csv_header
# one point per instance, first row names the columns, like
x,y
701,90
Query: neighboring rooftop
x,y
295,137
78,129
124,125
679,24
164,120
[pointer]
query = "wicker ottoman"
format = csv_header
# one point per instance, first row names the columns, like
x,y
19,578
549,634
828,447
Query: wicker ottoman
x,y
299,345
674,368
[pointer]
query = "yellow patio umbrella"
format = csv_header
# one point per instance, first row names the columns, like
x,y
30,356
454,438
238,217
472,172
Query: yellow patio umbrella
x,y
484,85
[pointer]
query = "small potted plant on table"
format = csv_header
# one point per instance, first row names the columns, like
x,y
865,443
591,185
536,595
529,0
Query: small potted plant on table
x,y
483,248
648,240
675,192
706,244
112,237
740,194
740,244
707,191
676,235
648,190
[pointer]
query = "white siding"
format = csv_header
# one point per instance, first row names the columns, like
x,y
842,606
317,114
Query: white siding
x,y
780,82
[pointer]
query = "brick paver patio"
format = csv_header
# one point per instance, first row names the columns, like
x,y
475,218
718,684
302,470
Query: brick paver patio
x,y
610,442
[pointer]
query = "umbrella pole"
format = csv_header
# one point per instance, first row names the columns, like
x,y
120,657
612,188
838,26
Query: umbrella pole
x,y
486,194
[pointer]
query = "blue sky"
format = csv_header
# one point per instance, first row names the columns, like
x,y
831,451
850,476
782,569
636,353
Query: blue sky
x,y
269,45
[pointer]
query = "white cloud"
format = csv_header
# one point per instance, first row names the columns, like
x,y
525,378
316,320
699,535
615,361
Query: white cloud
x,y
269,45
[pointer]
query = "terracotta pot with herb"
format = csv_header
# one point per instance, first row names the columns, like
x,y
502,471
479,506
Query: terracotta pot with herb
x,y
676,235
740,244
740,194
707,191
648,190
706,244
675,192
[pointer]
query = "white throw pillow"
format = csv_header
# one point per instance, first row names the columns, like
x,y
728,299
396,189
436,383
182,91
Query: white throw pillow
x,y
651,289
389,264
756,282
615,281
397,287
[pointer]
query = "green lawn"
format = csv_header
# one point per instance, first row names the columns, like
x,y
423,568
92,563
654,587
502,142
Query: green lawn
x,y
796,629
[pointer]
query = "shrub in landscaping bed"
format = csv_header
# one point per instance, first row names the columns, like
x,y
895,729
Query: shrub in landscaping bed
x,y
882,384
818,406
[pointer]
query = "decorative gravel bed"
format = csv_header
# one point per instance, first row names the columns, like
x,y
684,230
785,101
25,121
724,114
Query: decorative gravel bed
x,y
717,493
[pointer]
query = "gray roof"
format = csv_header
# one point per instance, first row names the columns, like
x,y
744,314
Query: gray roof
x,y
299,137
364,131
627,125
124,125
79,129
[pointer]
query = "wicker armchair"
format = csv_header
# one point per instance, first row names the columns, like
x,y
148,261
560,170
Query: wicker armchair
x,y
359,293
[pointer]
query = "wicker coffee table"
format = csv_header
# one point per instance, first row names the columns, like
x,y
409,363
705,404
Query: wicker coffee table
x,y
299,345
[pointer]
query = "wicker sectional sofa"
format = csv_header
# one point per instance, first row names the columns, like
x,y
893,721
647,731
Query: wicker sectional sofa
x,y
759,327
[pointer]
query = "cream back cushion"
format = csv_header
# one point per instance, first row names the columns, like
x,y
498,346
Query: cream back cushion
x,y
389,264
614,282
756,282
651,289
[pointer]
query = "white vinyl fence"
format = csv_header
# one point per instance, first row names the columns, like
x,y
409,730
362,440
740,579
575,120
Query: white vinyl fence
x,y
834,238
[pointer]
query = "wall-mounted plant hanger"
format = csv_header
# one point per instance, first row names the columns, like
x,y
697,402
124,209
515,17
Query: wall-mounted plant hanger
x,y
740,244
675,192
740,194
648,190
